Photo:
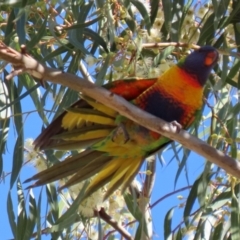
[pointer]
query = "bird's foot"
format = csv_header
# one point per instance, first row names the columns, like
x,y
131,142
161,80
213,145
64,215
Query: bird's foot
x,y
119,132
177,126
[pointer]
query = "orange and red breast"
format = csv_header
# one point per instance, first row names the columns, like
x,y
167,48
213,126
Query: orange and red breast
x,y
175,97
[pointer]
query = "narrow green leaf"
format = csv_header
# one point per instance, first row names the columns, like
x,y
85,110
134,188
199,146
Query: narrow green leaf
x,y
57,94
4,100
53,200
191,200
139,232
111,26
203,184
177,20
11,215
200,225
234,70
219,41
237,34
22,215
102,73
220,201
179,235
17,159
131,24
235,223
233,111
16,109
38,216
225,63
164,53
24,3
167,9
226,229
76,7
16,101
20,25
207,31
4,131
73,66
143,11
168,224
217,231
45,50
85,24
35,94
238,81
84,12
133,207
69,98
33,215
9,28
73,209
95,37
75,40
37,36
63,224
222,109
182,165
135,211
81,18
126,3
220,9
154,6
76,36
68,47
234,15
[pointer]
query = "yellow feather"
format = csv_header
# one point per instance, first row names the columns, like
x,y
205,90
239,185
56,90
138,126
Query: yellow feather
x,y
72,120
100,107
98,119
123,168
80,123
89,135
118,172
106,172
68,121
135,163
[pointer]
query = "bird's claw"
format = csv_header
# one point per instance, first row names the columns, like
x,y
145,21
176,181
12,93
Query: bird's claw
x,y
176,125
121,131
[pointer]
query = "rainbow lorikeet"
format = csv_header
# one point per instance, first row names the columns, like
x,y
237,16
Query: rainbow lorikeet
x,y
115,147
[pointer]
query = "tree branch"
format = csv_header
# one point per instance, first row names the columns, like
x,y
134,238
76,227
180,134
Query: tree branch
x,y
25,63
145,195
108,219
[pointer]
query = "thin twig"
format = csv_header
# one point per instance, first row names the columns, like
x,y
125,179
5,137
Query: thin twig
x,y
150,178
84,72
168,195
108,219
167,44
